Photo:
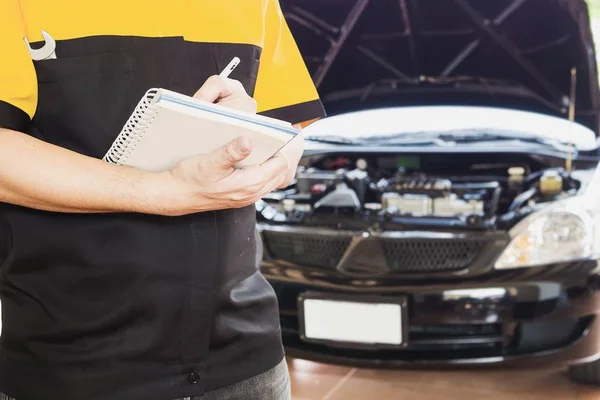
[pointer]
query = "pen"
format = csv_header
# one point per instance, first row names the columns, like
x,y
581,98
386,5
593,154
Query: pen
x,y
230,67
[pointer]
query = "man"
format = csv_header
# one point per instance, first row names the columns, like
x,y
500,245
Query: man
x,y
118,283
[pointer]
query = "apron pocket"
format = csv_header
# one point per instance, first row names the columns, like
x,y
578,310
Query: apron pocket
x,y
84,101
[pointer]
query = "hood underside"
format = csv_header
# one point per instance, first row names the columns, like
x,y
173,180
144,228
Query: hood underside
x,y
506,53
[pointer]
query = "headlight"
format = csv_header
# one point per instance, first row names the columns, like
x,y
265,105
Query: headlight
x,y
567,230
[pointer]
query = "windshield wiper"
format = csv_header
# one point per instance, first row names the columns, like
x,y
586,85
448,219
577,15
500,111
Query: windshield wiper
x,y
369,142
442,139
497,137
413,139
464,137
334,139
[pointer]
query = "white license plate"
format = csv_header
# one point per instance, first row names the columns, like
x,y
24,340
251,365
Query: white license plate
x,y
352,322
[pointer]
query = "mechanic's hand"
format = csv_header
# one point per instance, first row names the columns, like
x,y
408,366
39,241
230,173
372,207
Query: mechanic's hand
x,y
226,92
210,182
231,93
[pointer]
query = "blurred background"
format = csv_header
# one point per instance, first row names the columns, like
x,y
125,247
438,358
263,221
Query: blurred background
x,y
345,381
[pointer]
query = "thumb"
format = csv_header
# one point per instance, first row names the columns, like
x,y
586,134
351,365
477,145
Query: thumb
x,y
232,153
215,88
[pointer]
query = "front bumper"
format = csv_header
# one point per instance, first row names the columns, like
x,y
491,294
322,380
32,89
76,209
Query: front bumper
x,y
541,316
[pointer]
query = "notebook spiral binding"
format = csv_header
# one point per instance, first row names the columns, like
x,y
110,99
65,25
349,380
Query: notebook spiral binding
x,y
134,130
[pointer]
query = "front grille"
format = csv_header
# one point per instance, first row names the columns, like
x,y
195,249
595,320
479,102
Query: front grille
x,y
312,250
431,255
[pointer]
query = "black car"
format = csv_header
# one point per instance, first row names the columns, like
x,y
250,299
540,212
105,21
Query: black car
x,y
447,212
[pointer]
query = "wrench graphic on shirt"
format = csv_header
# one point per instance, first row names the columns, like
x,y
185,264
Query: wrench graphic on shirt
x,y
46,52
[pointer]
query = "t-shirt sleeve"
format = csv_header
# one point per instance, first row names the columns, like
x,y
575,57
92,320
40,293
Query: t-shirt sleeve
x,y
18,82
284,87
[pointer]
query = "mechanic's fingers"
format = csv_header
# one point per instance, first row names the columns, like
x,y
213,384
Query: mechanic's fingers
x,y
254,179
217,87
276,166
229,155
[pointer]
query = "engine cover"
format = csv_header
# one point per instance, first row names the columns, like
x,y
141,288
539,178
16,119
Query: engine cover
x,y
451,205
423,205
413,204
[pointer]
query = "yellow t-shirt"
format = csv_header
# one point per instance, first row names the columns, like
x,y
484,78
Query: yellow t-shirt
x,y
90,36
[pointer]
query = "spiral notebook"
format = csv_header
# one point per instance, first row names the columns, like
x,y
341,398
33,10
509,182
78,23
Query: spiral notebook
x,y
167,127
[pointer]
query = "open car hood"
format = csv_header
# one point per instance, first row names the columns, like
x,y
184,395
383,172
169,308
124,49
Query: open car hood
x,y
503,53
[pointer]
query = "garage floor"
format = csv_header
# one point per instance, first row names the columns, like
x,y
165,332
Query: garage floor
x,y
312,381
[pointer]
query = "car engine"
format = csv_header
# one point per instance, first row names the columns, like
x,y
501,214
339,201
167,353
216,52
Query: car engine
x,y
357,192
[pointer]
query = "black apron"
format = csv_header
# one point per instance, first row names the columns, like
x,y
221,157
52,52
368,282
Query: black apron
x,y
130,306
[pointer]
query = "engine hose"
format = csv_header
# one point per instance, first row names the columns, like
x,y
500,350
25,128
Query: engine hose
x,y
522,199
494,202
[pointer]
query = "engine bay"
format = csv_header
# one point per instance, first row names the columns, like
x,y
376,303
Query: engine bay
x,y
399,191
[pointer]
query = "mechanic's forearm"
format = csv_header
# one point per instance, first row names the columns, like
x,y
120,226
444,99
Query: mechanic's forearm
x,y
39,175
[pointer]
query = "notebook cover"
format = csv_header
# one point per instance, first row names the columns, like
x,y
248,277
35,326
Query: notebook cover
x,y
162,132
